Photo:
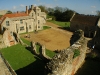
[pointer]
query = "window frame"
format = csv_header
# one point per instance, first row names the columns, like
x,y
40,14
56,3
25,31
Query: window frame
x,y
21,28
7,23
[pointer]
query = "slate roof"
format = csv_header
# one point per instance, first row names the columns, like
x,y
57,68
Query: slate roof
x,y
85,19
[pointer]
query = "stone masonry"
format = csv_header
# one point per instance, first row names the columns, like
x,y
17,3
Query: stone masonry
x,y
63,63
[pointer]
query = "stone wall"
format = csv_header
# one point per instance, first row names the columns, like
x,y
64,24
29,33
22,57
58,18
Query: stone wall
x,y
96,39
8,38
64,63
5,68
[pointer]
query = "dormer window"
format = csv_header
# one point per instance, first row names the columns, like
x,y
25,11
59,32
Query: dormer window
x,y
7,23
21,21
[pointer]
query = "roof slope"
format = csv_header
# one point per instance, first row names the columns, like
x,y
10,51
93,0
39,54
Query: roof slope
x,y
15,15
85,19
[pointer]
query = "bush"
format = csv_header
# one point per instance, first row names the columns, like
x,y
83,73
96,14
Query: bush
x,y
76,53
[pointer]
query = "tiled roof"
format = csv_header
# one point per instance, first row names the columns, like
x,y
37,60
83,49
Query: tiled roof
x,y
85,19
15,15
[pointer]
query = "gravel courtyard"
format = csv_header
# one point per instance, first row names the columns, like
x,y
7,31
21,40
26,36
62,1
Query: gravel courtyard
x,y
53,38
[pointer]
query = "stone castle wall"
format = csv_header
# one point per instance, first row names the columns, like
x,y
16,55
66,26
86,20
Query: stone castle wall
x,y
63,63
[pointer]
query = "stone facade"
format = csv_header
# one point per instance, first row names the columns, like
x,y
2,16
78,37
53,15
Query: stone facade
x,y
63,63
33,19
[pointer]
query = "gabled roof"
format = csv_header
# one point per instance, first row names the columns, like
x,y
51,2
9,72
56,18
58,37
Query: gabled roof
x,y
85,19
15,15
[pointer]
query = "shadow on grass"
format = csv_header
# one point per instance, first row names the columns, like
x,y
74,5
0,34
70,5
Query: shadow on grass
x,y
90,67
65,28
35,68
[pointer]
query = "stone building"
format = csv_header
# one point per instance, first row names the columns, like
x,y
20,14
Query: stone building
x,y
28,21
96,39
87,23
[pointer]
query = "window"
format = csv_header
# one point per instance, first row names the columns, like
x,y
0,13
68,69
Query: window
x,y
29,26
32,14
38,21
38,26
21,28
7,23
21,21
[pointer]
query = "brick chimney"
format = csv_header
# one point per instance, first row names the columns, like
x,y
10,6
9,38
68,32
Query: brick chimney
x,y
32,7
26,10
17,11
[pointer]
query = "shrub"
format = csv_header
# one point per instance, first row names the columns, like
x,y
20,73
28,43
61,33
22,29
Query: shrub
x,y
76,53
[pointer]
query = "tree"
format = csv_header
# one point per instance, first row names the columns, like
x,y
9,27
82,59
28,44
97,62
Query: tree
x,y
9,12
60,14
43,8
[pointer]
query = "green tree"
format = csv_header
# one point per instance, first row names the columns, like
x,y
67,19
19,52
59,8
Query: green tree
x,y
9,12
43,8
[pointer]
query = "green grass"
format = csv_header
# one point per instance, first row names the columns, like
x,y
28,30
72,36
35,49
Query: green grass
x,y
23,61
76,53
62,24
46,27
25,41
18,56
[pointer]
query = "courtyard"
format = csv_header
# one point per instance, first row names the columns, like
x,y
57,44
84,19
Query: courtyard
x,y
53,38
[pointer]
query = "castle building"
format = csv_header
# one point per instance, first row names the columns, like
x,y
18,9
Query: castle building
x,y
87,23
30,20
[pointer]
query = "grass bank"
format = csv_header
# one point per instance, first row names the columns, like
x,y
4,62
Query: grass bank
x,y
23,61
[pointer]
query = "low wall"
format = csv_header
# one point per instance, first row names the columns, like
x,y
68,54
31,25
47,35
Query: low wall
x,y
8,65
63,63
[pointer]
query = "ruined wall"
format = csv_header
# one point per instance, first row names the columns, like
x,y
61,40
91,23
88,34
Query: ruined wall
x,y
63,63
5,68
8,38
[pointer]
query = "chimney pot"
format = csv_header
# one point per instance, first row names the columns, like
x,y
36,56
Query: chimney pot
x,y
26,10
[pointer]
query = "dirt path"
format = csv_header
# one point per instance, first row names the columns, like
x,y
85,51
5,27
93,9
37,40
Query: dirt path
x,y
53,38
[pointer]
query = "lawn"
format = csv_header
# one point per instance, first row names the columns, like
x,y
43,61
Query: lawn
x,y
62,24
23,61
46,27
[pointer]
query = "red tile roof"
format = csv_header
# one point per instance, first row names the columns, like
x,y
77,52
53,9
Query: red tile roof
x,y
12,16
15,15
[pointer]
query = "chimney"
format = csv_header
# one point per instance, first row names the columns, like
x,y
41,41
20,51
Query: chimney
x,y
32,7
17,11
26,10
